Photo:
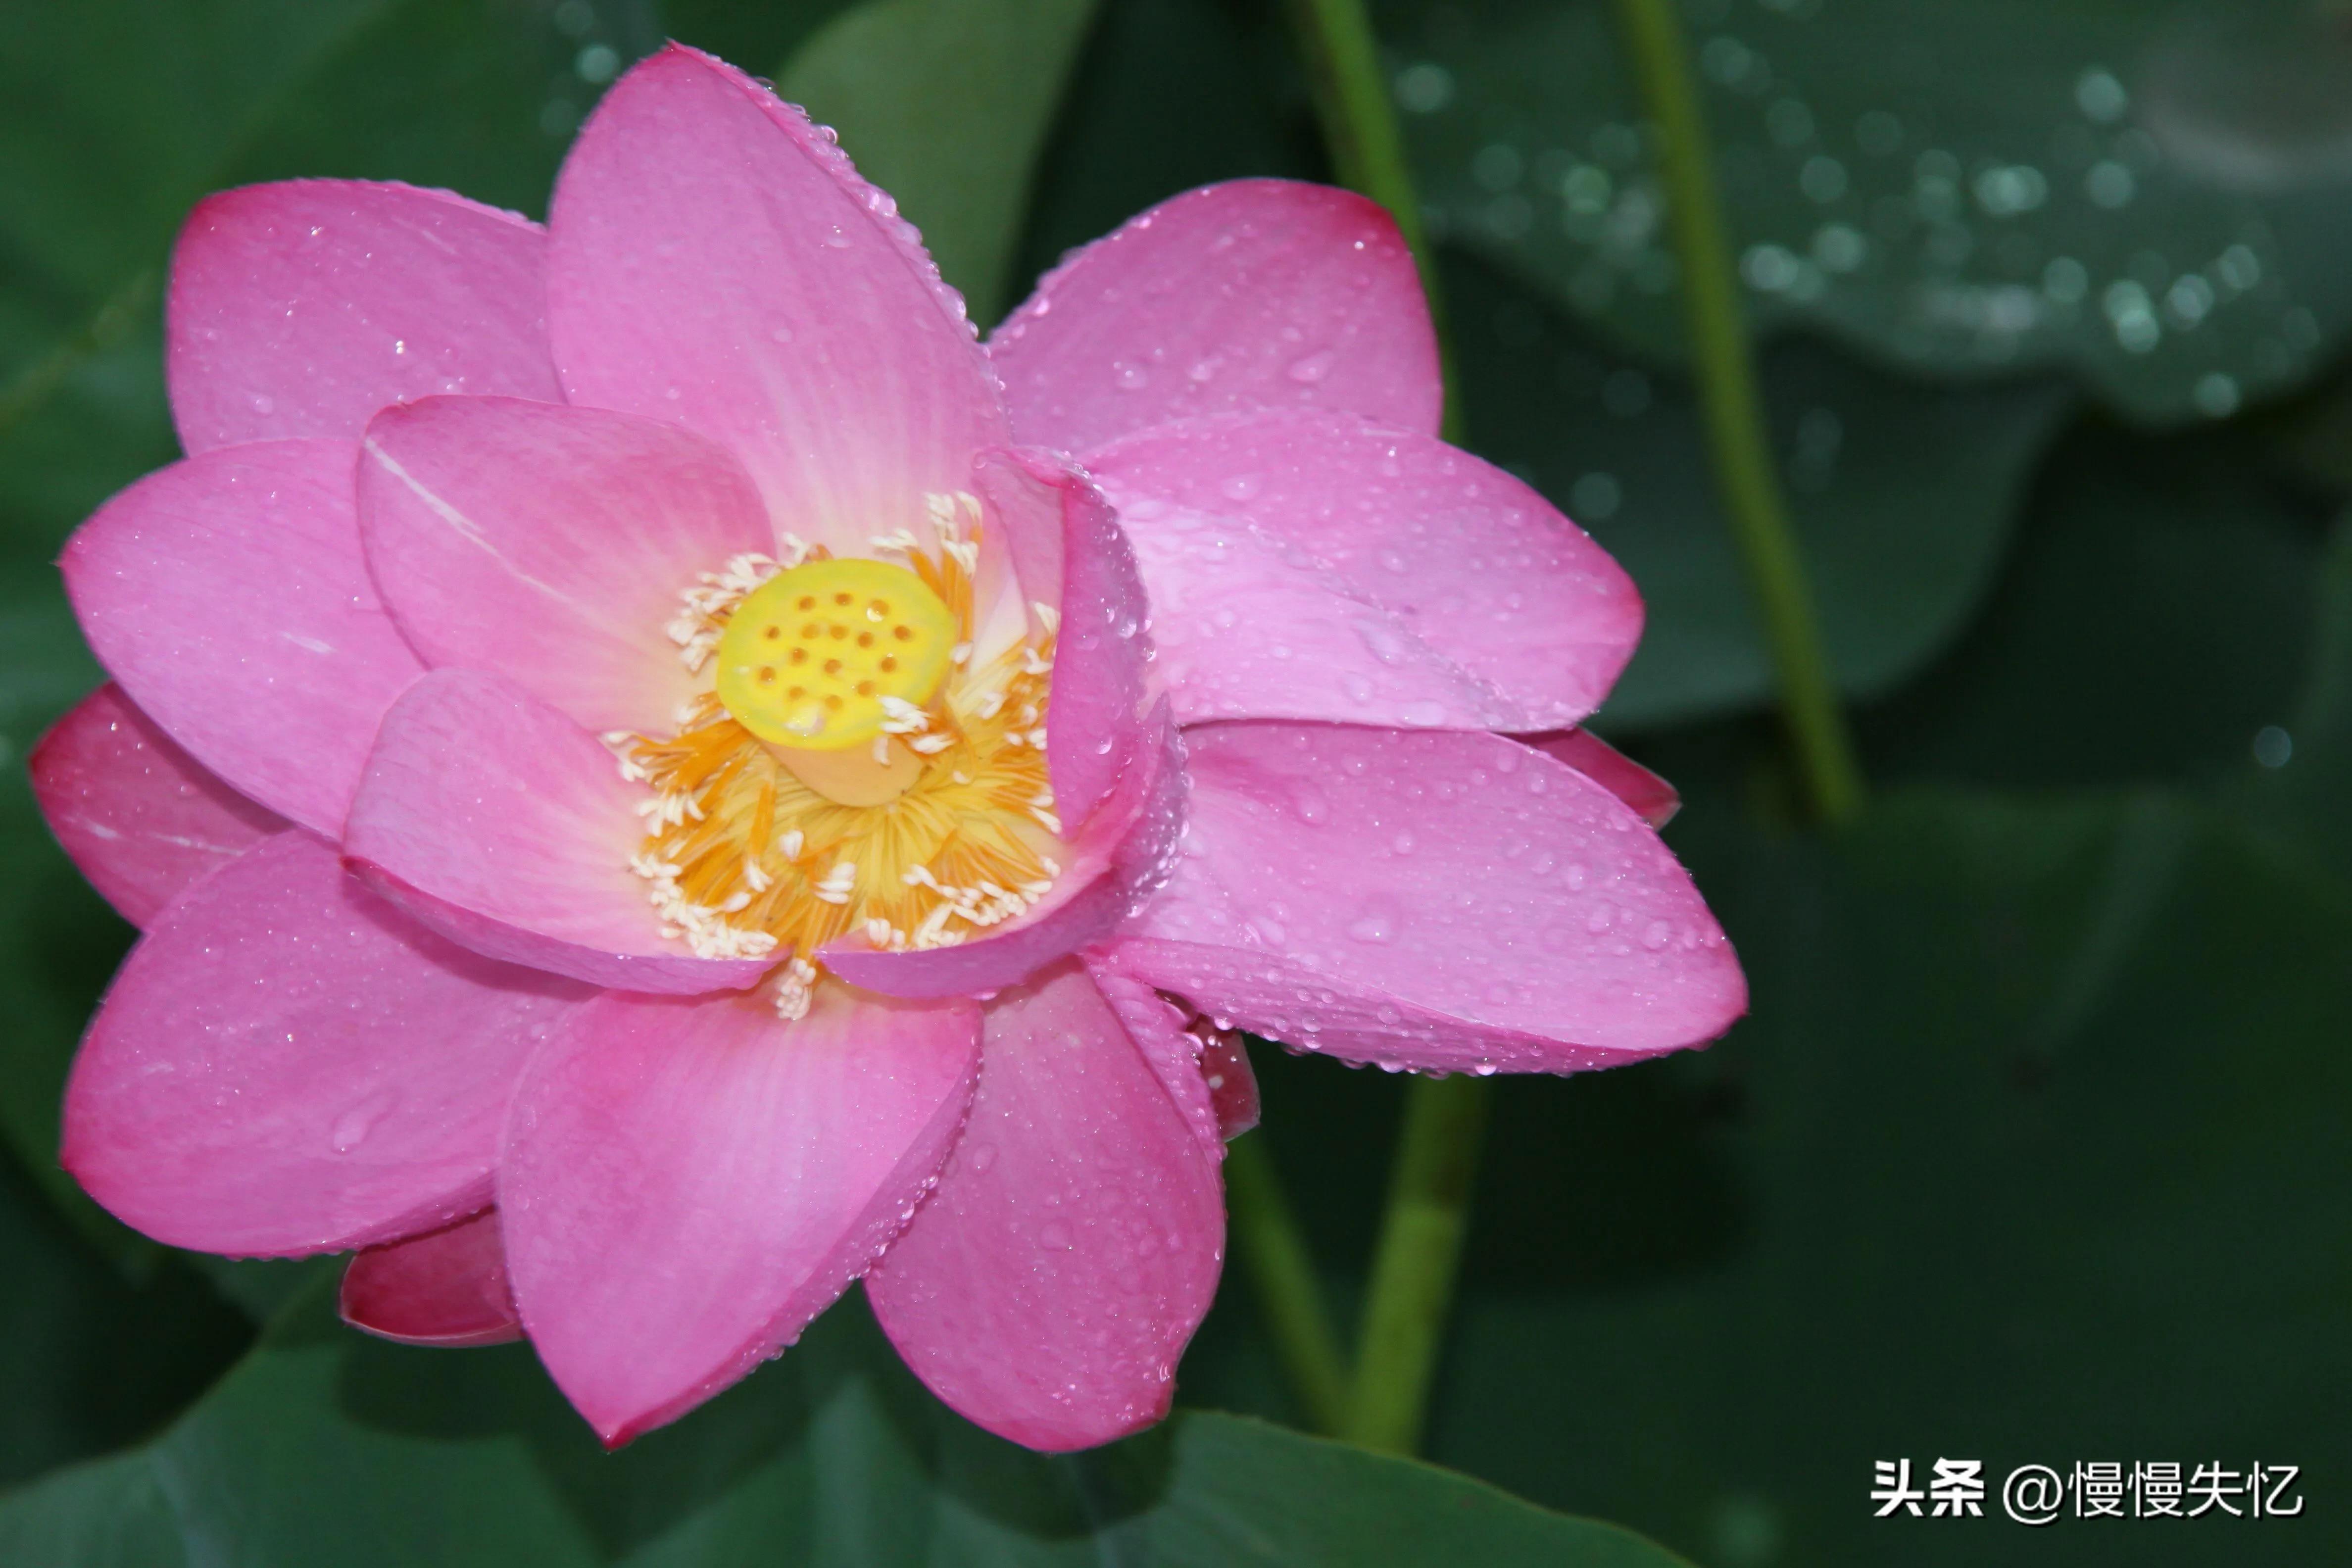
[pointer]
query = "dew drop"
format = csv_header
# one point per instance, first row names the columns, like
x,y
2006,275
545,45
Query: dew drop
x,y
351,1128
1312,369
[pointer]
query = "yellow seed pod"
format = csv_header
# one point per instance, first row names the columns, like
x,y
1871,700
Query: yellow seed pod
x,y
810,654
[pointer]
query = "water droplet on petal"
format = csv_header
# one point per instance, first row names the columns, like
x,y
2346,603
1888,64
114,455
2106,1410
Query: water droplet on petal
x,y
352,1127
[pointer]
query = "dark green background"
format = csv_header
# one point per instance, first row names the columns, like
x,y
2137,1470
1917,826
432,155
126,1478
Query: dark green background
x,y
2035,1146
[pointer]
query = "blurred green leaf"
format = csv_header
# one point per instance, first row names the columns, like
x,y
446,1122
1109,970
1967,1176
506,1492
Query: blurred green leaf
x,y
2155,198
58,941
744,34
117,115
1904,494
2033,1150
2156,617
325,1445
1168,95
945,104
89,1359
2300,786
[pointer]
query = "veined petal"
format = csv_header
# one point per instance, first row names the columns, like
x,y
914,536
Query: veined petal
x,y
715,262
1256,294
299,309
501,824
286,1065
550,545
1048,1287
1432,900
228,595
1465,568
686,1183
447,1289
142,820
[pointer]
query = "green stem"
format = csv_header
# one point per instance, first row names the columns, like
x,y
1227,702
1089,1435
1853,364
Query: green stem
x,y
1436,1159
1360,128
1287,1294
1744,468
1420,1249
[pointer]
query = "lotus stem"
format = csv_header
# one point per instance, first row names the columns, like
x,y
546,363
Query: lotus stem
x,y
1420,1254
1436,1158
1287,1291
1723,361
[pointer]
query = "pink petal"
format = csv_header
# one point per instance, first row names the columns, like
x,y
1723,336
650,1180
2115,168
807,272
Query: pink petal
x,y
1258,294
1079,563
1465,563
501,824
1613,770
1121,854
1432,899
142,819
686,1183
716,263
1048,1287
285,1065
1245,629
300,309
1232,1082
1157,1028
550,545
445,1289
227,595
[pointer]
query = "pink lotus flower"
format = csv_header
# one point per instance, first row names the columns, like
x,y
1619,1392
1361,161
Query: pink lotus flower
x,y
636,749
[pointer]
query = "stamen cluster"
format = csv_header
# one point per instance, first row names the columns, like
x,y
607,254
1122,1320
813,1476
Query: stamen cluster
x,y
742,859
